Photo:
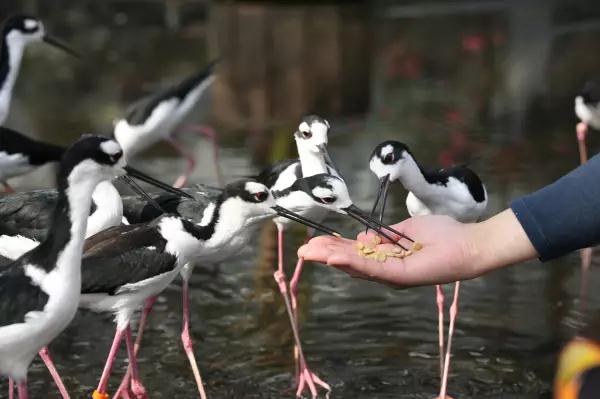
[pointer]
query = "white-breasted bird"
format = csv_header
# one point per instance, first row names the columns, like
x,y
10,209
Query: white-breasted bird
x,y
40,290
17,32
158,116
456,192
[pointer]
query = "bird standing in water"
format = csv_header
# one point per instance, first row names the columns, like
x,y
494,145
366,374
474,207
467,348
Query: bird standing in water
x,y
40,291
158,116
587,109
456,192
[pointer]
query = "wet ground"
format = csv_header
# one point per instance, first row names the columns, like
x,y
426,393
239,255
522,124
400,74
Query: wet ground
x,y
366,340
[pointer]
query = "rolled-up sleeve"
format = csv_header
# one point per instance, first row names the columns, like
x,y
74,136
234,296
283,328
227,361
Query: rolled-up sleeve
x,y
565,215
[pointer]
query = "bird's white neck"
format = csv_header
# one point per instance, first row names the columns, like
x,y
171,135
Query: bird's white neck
x,y
109,209
413,179
311,162
13,48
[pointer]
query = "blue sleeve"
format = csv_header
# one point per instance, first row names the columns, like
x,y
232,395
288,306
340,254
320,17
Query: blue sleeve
x,y
565,215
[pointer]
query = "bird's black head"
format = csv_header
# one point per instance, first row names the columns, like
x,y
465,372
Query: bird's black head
x,y
325,190
590,92
313,131
390,152
25,24
92,156
22,29
248,190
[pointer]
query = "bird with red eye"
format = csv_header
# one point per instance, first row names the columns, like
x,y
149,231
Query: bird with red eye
x,y
308,196
261,196
388,158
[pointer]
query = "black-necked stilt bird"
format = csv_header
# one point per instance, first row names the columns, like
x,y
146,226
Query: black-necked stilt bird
x,y
40,290
456,192
221,228
17,32
19,154
157,117
587,109
329,193
311,142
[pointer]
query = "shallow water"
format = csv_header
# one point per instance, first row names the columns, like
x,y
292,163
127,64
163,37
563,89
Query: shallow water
x,y
367,341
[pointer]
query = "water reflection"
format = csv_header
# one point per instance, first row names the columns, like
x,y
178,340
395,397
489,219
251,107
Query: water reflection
x,y
455,84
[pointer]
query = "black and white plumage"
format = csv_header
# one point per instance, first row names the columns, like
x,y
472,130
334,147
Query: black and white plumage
x,y
457,191
311,142
17,32
39,292
20,154
28,214
155,117
125,265
587,105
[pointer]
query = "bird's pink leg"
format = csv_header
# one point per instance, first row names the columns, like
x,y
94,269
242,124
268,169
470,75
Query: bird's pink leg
x,y
306,376
187,340
210,133
439,298
136,385
45,355
11,388
191,162
453,314
100,392
7,188
22,389
148,304
586,253
582,129
586,261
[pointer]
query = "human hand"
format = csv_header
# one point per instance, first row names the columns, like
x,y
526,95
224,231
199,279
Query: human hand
x,y
451,251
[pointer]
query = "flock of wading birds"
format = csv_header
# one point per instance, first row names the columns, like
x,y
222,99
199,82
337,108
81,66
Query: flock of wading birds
x,y
84,246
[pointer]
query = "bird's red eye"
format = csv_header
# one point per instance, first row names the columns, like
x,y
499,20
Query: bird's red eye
x,y
388,158
328,200
307,135
261,196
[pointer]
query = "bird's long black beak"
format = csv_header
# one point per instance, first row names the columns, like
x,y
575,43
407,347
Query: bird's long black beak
x,y
384,184
140,192
286,213
328,160
157,183
53,41
354,212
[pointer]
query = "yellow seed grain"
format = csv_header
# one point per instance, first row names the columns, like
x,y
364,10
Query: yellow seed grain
x,y
360,245
381,257
417,246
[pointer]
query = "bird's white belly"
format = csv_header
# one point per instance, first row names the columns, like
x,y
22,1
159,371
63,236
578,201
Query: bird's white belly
x,y
19,343
460,211
12,165
129,298
587,113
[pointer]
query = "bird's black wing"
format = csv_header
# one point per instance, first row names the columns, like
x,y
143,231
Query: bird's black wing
x,y
28,214
141,110
471,180
123,255
108,274
18,295
13,142
270,174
